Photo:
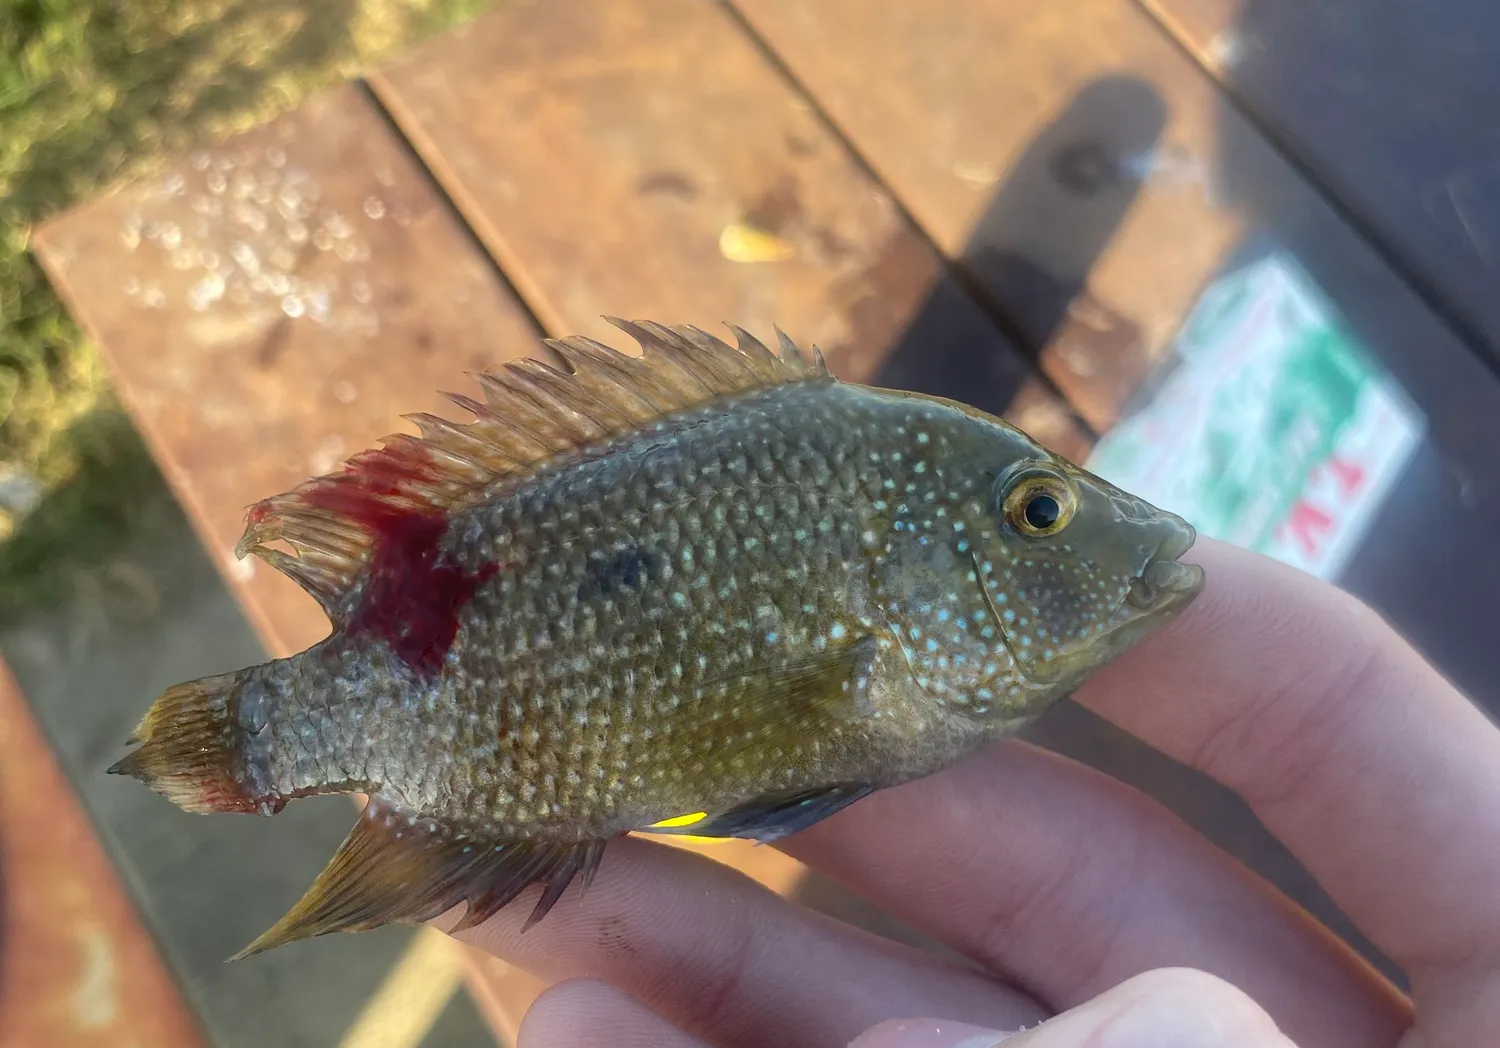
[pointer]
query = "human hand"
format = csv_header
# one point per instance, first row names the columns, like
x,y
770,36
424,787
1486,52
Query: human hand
x,y
1064,886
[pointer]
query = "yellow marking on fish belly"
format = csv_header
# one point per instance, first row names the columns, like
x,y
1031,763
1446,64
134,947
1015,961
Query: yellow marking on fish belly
x,y
691,819
679,820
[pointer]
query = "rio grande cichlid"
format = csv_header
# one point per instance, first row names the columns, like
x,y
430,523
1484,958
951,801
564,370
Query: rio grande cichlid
x,y
707,589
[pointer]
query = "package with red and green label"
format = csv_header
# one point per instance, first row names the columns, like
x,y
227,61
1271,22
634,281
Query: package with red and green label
x,y
1274,430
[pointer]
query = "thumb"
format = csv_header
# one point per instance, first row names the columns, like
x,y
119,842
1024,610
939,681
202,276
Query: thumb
x,y
1167,1008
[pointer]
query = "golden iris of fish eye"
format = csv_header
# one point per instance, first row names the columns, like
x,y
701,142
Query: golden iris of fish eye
x,y
1023,490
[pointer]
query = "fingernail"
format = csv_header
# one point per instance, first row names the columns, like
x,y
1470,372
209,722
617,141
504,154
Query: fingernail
x,y
1179,1017
988,1039
928,1033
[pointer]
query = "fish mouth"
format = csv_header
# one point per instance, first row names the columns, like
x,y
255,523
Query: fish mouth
x,y
1167,584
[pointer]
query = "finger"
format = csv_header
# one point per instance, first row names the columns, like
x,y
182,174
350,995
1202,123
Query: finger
x,y
1177,1007
731,962
1373,770
583,1013
1067,882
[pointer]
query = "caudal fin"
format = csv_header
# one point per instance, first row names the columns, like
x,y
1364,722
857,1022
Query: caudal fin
x,y
188,748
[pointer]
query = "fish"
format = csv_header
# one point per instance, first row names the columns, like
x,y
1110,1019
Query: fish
x,y
703,589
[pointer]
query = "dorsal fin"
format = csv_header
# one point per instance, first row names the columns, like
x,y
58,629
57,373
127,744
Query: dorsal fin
x,y
532,413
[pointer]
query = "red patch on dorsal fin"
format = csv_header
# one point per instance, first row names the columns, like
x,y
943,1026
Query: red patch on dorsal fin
x,y
413,590
386,511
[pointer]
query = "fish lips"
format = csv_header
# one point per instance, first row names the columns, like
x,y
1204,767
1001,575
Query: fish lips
x,y
1165,585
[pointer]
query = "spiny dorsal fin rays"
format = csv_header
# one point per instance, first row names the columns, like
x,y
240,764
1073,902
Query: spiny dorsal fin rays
x,y
627,380
790,354
532,413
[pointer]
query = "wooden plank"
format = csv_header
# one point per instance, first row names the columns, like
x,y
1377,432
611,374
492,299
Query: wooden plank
x,y
622,149
1055,150
268,307
79,970
1391,106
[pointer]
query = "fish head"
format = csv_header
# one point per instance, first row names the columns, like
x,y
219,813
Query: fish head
x,y
1075,571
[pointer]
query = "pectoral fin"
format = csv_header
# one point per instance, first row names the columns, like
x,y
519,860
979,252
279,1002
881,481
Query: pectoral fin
x,y
765,709
771,818
831,686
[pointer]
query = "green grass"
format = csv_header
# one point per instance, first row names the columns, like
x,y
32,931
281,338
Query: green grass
x,y
91,92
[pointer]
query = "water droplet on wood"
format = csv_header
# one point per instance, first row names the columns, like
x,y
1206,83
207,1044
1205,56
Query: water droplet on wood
x,y
337,225
245,257
206,292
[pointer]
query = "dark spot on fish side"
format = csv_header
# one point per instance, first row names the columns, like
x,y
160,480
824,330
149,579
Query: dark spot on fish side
x,y
609,572
672,184
413,593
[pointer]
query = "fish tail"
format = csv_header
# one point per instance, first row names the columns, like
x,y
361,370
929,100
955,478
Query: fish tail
x,y
189,748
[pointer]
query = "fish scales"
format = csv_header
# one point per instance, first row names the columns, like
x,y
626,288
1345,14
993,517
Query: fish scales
x,y
624,589
712,591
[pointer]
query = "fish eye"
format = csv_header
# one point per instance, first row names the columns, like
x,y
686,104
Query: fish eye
x,y
1038,504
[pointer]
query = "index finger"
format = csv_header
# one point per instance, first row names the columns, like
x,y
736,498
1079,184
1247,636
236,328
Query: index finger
x,y
1375,772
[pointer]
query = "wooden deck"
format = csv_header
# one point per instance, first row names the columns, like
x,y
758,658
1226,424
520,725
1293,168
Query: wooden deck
x,y
1013,204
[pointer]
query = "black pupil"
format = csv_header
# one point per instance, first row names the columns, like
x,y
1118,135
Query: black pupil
x,y
1042,512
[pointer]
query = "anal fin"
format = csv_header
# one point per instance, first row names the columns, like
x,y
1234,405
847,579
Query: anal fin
x,y
771,818
394,867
